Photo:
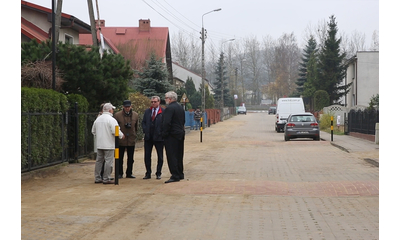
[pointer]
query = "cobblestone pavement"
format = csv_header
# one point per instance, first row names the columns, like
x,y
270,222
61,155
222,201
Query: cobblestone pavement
x,y
242,182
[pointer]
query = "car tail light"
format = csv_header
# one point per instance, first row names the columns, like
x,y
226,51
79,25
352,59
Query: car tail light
x,y
314,124
290,125
277,117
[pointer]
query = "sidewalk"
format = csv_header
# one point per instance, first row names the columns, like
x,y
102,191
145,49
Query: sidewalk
x,y
350,144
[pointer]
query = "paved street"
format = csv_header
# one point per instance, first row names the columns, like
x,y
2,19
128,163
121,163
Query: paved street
x,y
242,182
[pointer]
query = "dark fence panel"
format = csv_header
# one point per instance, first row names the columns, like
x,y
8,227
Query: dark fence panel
x,y
43,140
362,121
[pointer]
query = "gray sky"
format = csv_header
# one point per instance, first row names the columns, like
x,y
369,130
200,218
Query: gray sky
x,y
237,19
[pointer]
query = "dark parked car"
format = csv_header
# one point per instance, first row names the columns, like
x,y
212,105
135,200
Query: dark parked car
x,y
301,125
272,110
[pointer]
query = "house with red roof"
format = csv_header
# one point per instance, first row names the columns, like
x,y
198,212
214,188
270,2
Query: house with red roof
x,y
36,24
134,43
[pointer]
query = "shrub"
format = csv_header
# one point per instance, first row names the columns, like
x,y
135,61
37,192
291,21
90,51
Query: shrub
x,y
40,114
325,121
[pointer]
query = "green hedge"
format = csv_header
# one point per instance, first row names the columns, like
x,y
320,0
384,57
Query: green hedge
x,y
45,110
83,106
45,128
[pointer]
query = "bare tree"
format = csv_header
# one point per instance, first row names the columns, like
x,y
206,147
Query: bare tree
x,y
254,65
240,60
285,65
353,44
187,52
318,31
375,41
268,57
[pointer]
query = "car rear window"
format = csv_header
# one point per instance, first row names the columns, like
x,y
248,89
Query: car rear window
x,y
302,118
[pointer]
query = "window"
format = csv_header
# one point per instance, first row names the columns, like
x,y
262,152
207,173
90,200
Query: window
x,y
69,39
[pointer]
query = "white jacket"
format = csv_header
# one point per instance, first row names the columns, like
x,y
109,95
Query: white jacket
x,y
104,131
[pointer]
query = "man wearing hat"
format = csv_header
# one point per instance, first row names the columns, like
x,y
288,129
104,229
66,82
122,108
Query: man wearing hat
x,y
104,131
128,121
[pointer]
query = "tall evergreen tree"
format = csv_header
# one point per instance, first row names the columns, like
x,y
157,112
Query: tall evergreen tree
x,y
190,87
153,79
220,73
331,65
310,49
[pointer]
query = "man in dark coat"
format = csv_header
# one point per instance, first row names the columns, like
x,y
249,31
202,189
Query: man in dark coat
x,y
173,132
151,125
128,122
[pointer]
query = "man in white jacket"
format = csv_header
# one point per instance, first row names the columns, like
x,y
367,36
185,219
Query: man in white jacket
x,y
104,130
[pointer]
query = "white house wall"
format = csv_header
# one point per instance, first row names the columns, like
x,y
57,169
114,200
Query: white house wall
x,y
364,73
183,74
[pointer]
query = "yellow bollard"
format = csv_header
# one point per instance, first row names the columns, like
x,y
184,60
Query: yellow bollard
x,y
116,155
201,129
332,128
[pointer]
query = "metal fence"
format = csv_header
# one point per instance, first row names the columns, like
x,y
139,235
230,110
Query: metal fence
x,y
362,121
66,139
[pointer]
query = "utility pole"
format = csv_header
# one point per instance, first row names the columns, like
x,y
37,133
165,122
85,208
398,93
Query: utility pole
x,y
92,23
203,40
53,43
203,88
58,20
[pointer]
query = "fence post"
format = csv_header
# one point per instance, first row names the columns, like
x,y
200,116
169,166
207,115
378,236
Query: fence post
x,y
76,145
332,128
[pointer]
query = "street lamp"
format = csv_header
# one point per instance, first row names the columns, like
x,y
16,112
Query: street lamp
x,y
222,77
203,40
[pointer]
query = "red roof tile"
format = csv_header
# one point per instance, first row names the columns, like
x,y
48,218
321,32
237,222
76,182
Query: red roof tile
x,y
133,44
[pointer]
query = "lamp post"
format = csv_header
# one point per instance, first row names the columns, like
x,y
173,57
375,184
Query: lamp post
x,y
203,40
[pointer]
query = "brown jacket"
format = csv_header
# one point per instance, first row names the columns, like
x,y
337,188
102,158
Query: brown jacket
x,y
130,133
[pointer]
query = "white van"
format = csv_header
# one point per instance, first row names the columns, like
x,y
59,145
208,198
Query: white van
x,y
284,108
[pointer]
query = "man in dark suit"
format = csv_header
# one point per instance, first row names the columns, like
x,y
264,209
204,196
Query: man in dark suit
x,y
151,125
173,132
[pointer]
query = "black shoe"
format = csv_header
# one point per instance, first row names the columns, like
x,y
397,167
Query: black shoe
x,y
172,180
130,176
99,181
181,177
146,177
111,178
158,177
119,176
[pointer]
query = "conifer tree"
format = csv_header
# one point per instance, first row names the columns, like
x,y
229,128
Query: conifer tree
x,y
331,65
153,79
220,74
310,49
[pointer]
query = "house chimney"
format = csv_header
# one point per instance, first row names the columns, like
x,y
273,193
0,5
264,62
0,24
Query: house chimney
x,y
102,23
144,25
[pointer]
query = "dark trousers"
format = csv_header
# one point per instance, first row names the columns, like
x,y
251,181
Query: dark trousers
x,y
129,150
148,148
174,149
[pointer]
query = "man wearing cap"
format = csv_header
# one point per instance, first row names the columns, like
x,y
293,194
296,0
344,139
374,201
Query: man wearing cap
x,y
128,120
104,131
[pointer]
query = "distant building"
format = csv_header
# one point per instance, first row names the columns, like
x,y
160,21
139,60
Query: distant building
x,y
363,72
36,24
136,44
181,74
